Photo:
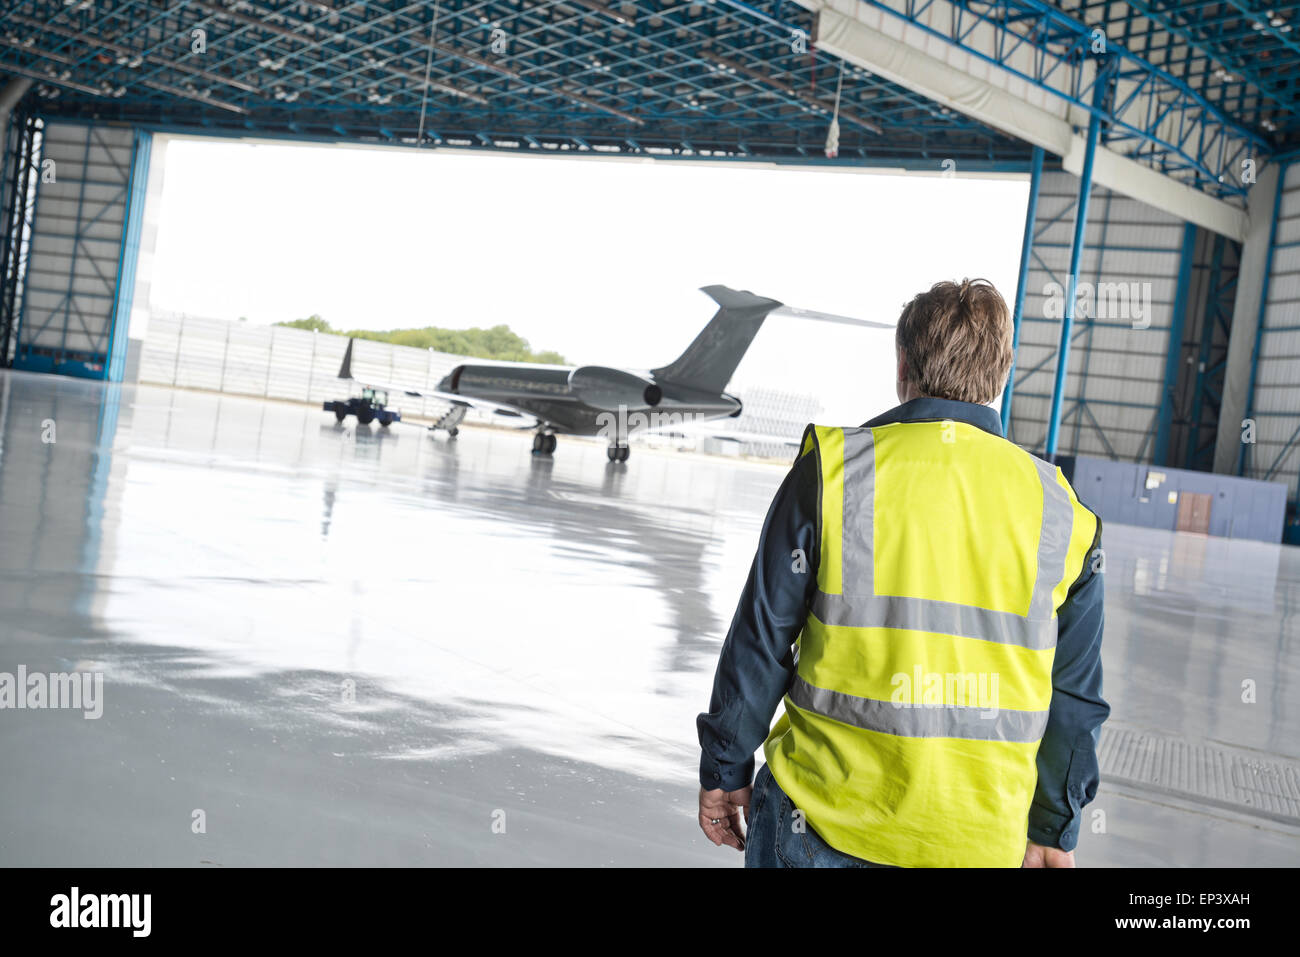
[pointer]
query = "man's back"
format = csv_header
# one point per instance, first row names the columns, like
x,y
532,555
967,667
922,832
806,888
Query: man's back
x,y
926,600
924,666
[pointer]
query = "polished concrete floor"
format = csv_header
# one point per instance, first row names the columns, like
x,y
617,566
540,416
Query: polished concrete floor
x,y
328,646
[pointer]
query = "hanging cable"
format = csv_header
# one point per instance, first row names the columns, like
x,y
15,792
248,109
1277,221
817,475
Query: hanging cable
x,y
428,69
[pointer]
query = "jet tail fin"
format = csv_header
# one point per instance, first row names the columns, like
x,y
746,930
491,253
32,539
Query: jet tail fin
x,y
345,370
710,360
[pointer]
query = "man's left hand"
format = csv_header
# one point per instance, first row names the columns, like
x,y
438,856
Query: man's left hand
x,y
721,813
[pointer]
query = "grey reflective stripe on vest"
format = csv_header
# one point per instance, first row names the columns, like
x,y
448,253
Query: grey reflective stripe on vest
x,y
1053,540
857,528
947,721
936,617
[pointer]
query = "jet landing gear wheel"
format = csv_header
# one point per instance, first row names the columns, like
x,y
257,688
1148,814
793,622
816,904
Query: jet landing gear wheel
x,y
543,443
618,453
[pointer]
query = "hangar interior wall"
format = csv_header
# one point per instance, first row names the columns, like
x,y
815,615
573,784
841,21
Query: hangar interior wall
x,y
82,256
1200,367
22,137
1156,497
1274,406
1129,281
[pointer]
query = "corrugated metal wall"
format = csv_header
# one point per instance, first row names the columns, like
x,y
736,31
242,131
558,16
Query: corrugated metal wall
x,y
76,250
1118,351
284,363
1275,403
280,362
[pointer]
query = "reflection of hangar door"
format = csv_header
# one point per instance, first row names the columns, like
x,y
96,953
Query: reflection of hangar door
x,y
1194,513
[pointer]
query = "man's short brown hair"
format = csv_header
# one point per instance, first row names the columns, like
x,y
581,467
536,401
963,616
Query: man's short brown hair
x,y
956,339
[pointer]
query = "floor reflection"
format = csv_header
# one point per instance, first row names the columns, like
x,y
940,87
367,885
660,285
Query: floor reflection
x,y
521,632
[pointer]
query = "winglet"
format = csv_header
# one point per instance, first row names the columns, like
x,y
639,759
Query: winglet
x,y
345,370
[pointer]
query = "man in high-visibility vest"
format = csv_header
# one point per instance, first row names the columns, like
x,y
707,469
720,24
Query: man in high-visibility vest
x,y
927,600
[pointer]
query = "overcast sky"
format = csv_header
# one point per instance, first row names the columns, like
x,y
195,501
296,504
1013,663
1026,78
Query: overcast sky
x,y
599,260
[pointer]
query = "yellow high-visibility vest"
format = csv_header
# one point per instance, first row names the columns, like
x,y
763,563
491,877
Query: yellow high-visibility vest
x,y
924,669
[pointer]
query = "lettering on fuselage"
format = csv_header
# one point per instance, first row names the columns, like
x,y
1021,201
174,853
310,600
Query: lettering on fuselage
x,y
509,384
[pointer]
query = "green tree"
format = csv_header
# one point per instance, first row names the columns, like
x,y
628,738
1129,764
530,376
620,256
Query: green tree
x,y
499,342
311,322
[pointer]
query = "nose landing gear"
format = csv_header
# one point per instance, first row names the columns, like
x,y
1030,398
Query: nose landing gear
x,y
618,453
543,443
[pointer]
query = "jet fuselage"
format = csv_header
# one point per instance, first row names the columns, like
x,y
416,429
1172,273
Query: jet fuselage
x,y
587,400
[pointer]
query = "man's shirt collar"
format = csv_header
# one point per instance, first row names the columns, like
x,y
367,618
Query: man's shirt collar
x,y
929,409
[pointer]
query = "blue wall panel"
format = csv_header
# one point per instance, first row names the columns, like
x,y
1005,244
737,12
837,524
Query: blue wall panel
x,y
1117,491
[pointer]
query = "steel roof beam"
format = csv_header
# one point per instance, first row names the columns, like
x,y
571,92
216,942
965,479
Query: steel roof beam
x,y
1207,46
652,67
1259,57
617,16
489,65
130,51
1065,75
762,80
766,83
1194,141
42,77
683,51
59,80
531,84
598,47
677,51
299,38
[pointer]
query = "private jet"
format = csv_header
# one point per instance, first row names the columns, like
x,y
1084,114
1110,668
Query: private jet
x,y
606,401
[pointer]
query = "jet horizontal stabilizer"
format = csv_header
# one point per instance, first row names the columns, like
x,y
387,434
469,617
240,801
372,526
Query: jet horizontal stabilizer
x,y
738,302
797,313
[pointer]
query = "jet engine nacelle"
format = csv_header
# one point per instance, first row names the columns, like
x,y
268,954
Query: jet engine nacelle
x,y
604,388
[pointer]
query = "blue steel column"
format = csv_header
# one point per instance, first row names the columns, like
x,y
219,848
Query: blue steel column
x,y
1026,250
1076,256
1174,352
1263,306
128,257
1213,318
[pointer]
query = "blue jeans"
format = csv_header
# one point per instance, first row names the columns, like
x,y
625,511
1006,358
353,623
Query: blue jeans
x,y
779,838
